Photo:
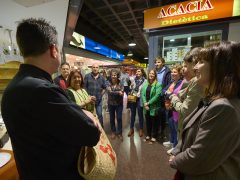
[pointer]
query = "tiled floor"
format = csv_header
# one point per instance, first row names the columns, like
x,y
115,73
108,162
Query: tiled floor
x,y
137,160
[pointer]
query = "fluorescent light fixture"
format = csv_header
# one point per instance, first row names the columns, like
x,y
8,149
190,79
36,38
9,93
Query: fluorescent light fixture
x,y
172,40
130,53
146,58
132,44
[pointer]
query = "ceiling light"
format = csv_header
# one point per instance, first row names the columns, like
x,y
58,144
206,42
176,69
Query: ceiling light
x,y
132,44
172,40
146,58
130,53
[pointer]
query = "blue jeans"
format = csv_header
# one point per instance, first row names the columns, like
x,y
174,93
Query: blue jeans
x,y
136,107
98,107
173,131
118,109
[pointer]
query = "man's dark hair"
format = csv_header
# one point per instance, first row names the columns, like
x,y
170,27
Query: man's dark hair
x,y
65,63
34,36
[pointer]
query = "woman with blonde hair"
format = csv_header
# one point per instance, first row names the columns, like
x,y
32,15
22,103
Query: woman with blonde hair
x,y
210,145
150,93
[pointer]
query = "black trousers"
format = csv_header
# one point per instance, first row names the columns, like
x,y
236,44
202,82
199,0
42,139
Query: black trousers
x,y
162,120
152,125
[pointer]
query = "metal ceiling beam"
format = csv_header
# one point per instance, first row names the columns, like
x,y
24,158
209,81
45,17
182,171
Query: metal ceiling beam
x,y
100,29
134,18
121,22
102,18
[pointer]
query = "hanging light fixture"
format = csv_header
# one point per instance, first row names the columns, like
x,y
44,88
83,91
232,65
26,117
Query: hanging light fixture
x,y
129,53
132,42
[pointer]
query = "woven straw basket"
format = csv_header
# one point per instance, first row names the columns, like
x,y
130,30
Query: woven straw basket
x,y
98,162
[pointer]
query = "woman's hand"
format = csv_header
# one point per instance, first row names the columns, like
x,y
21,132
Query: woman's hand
x,y
120,93
93,119
147,108
171,158
146,105
88,100
93,99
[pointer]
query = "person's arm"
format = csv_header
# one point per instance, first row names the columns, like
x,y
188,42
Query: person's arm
x,y
168,78
65,121
70,95
185,107
140,87
208,151
56,80
143,93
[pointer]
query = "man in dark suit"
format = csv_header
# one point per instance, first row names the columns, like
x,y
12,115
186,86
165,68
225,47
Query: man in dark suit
x,y
46,129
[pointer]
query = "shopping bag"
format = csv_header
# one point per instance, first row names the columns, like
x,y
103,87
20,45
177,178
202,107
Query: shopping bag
x,y
98,162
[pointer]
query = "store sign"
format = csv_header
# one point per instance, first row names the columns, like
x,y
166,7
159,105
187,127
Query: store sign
x,y
83,42
190,12
191,7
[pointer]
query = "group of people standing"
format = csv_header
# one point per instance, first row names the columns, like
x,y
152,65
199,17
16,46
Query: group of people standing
x,y
47,129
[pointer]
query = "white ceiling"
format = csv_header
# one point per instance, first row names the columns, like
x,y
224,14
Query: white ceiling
x,y
31,3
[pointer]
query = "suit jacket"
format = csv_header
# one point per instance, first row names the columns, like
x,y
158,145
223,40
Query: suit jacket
x,y
186,101
210,145
46,129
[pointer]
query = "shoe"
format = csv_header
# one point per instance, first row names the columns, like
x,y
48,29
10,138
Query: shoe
x,y
131,132
147,138
140,133
153,140
150,142
167,144
120,137
113,136
169,152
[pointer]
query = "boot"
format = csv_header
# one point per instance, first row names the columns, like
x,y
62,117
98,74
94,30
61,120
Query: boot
x,y
131,132
140,132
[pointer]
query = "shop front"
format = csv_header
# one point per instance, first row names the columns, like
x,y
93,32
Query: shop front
x,y
174,29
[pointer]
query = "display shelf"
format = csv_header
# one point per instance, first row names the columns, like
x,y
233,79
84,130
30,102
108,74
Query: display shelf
x,y
7,72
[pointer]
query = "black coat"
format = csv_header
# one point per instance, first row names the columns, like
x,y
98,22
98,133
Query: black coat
x,y
46,129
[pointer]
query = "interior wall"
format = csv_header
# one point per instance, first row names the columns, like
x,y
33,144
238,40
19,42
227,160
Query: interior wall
x,y
54,11
234,29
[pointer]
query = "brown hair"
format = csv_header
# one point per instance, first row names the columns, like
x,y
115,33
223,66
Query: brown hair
x,y
159,59
155,78
143,72
192,56
178,67
71,75
224,60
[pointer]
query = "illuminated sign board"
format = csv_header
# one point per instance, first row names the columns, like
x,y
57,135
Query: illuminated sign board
x,y
190,12
86,43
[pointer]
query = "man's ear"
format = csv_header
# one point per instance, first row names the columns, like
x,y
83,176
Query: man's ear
x,y
53,51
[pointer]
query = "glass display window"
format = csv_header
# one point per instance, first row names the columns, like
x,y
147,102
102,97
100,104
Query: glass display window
x,y
174,48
